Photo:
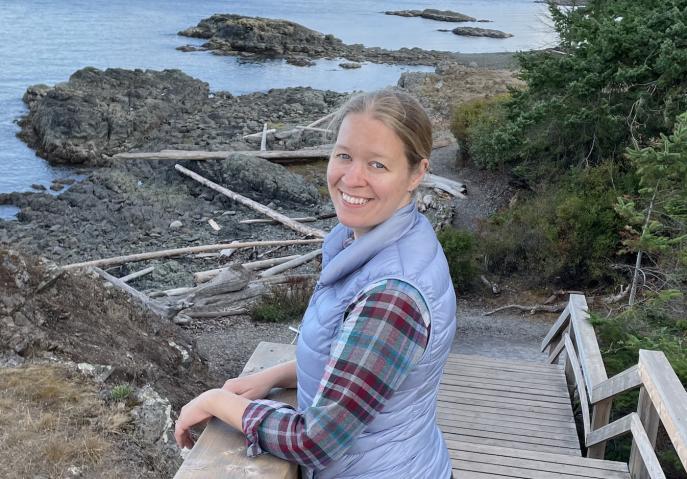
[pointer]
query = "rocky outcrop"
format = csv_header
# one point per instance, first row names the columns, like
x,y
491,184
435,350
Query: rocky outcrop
x,y
433,14
229,34
260,179
480,32
100,113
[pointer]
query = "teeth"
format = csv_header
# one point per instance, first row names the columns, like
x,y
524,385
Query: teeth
x,y
353,199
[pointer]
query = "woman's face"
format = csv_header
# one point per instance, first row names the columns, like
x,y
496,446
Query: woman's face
x,y
368,175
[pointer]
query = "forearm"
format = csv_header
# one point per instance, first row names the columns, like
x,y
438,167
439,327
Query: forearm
x,y
283,375
226,406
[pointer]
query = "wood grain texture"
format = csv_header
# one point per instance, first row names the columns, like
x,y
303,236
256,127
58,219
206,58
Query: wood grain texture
x,y
220,452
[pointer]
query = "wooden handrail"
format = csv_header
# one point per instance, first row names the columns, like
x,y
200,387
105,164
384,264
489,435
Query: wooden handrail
x,y
662,397
667,396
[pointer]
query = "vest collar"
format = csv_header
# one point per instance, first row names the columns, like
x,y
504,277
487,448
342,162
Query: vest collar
x,y
343,261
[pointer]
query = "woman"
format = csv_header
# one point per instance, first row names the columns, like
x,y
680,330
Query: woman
x,y
379,325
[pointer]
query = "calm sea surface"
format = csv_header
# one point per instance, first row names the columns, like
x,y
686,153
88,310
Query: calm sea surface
x,y
44,41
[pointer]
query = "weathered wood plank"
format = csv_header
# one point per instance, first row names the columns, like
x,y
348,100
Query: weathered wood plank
x,y
587,347
478,395
478,439
668,397
558,393
648,416
505,394
540,373
558,438
499,363
509,376
556,328
543,469
619,383
536,456
645,449
551,389
609,431
494,414
579,379
450,406
506,405
488,421
514,437
220,452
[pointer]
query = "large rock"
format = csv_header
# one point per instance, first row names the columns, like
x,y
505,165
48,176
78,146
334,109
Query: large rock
x,y
434,14
102,111
260,180
263,36
480,32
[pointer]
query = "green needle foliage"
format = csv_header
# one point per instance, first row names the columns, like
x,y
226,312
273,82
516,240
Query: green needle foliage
x,y
618,79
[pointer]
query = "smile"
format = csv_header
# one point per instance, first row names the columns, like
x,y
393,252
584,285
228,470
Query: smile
x,y
353,200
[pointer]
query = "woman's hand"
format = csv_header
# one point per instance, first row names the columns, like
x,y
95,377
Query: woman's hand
x,y
224,405
254,386
193,413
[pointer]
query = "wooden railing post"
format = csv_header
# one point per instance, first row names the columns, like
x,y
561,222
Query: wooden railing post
x,y
650,420
601,414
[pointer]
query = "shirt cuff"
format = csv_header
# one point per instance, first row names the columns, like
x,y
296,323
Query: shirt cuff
x,y
253,416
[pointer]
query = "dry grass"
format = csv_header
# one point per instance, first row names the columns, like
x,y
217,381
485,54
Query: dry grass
x,y
51,421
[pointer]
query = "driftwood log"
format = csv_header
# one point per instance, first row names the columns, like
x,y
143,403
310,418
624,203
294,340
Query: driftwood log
x,y
283,219
168,253
534,308
275,156
163,310
291,264
451,187
207,275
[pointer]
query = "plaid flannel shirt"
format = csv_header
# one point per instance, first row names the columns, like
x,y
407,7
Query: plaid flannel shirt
x,y
384,334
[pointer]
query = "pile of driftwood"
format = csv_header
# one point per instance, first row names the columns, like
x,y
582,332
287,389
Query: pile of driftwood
x,y
229,290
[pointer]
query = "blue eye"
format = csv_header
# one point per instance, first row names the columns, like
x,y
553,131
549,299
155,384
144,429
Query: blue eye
x,y
343,156
377,165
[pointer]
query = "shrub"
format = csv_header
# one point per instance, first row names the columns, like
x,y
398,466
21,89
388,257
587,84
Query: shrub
x,y
122,392
459,248
566,234
472,119
283,304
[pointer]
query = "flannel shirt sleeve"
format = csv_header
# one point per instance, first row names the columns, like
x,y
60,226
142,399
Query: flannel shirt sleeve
x,y
382,337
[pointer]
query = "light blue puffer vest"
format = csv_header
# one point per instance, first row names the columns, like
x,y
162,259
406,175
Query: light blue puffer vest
x,y
403,441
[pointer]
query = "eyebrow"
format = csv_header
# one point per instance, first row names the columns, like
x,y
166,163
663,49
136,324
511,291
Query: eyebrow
x,y
375,154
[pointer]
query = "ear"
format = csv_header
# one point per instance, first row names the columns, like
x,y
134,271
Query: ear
x,y
419,174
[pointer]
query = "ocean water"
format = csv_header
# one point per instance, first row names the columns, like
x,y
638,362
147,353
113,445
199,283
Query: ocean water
x,y
44,41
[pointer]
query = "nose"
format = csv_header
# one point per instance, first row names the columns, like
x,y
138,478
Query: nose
x,y
354,174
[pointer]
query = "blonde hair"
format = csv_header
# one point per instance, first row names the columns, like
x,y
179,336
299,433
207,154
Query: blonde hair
x,y
397,110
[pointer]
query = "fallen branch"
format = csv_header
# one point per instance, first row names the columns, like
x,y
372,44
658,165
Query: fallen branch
x,y
535,308
137,274
291,264
216,314
321,120
276,156
451,187
259,134
305,219
493,286
132,258
614,298
207,275
263,140
312,128
285,220
162,310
